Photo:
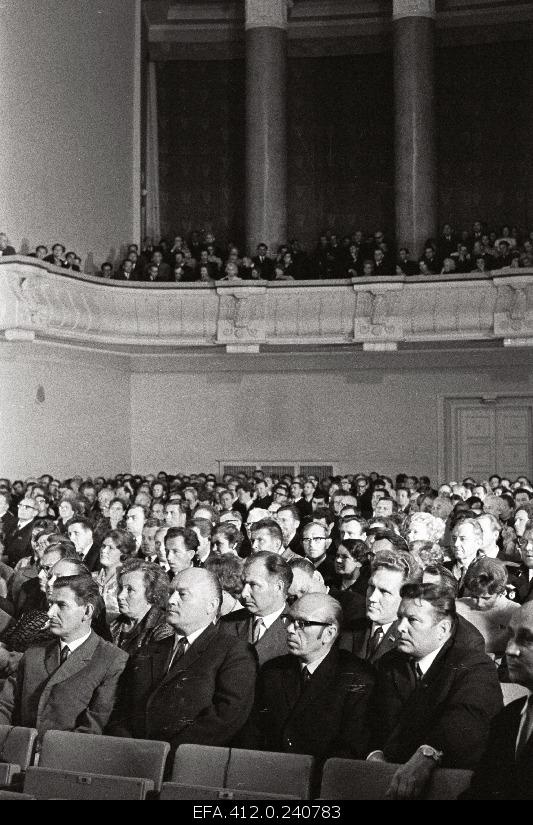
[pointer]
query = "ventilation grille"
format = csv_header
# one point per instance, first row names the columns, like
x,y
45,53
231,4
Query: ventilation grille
x,y
319,470
296,469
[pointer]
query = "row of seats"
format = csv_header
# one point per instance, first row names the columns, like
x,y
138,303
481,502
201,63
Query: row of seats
x,y
82,766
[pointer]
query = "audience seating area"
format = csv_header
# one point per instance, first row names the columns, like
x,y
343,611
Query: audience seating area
x,y
201,258
79,766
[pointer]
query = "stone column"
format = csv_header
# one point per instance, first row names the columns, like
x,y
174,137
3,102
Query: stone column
x,y
266,123
414,107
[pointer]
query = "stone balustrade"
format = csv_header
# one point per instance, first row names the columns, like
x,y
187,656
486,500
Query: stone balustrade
x,y
39,301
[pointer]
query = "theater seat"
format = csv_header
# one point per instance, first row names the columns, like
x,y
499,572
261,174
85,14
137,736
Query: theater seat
x,y
104,755
16,751
448,783
356,779
224,773
54,783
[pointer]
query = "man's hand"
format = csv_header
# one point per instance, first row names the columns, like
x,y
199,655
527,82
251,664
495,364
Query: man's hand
x,y
410,779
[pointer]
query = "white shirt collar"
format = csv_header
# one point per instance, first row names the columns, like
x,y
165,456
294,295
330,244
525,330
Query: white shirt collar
x,y
191,637
72,646
385,628
312,666
425,663
271,618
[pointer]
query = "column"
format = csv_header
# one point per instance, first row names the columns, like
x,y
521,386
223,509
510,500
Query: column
x,y
266,123
414,105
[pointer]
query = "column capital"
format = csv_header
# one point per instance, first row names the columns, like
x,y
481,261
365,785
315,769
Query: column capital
x,y
266,14
413,8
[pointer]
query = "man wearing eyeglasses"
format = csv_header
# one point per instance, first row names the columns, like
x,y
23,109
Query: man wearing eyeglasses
x,y
18,545
314,699
316,542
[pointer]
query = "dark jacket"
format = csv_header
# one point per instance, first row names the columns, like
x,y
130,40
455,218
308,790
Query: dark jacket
x,y
450,709
500,775
329,718
272,643
204,698
152,627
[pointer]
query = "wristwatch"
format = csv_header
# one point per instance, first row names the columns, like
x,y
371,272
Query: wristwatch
x,y
432,753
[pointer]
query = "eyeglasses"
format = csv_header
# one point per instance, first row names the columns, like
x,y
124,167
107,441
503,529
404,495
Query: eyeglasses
x,y
300,624
27,506
312,539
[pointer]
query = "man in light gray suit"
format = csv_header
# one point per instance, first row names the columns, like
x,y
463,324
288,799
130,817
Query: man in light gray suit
x,y
266,580
70,683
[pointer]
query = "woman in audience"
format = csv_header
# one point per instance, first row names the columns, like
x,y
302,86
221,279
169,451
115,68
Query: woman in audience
x,y
116,547
353,571
487,606
226,538
117,513
228,570
425,527
68,508
142,599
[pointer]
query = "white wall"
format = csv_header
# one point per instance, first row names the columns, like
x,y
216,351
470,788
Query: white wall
x,y
361,420
69,127
82,425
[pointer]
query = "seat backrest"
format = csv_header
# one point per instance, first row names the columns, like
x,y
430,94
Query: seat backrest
x,y
201,765
448,783
49,783
355,779
176,790
109,755
284,774
17,744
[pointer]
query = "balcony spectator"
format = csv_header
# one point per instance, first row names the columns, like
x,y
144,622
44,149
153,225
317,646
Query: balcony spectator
x,y
57,256
5,248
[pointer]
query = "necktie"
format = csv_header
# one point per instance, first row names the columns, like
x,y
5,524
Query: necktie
x,y
527,728
375,642
177,651
257,631
305,676
63,656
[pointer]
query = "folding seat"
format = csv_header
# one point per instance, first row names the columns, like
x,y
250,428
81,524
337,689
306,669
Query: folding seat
x,y
89,766
355,779
16,751
203,772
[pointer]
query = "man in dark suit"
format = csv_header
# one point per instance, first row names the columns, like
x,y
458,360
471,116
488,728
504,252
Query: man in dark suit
x,y
68,684
522,580
506,769
80,532
8,522
314,699
434,699
196,686
266,580
18,545
377,633
264,264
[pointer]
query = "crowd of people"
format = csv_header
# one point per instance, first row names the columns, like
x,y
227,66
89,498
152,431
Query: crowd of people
x,y
200,258
355,616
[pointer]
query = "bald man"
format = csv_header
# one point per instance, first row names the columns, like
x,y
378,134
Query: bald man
x,y
313,700
196,686
506,769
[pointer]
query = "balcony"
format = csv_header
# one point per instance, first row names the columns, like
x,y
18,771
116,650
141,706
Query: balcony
x,y
40,302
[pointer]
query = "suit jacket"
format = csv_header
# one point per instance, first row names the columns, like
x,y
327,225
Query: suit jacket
x,y
450,709
8,523
204,698
18,544
272,643
523,586
500,775
329,718
92,559
77,696
466,635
